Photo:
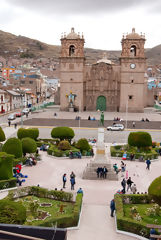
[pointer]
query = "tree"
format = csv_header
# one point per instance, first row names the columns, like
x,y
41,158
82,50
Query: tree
x,y
154,190
83,144
140,139
2,135
62,133
28,145
13,146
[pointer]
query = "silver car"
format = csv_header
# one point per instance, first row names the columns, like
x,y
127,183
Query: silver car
x,y
116,127
12,116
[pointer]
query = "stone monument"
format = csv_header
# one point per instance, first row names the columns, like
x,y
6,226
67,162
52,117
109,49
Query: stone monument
x,y
100,160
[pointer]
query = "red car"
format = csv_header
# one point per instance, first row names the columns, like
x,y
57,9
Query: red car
x,y
18,114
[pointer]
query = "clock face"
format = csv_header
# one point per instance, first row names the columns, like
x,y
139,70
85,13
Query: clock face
x,y
132,65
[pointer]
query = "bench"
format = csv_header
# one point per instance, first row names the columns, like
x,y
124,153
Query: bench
x,y
158,227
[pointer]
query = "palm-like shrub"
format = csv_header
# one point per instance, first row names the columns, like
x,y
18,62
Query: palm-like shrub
x,y
62,133
2,135
13,146
12,212
30,132
140,139
83,144
154,190
28,145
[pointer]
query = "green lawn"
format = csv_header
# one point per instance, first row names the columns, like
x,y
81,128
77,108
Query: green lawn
x,y
53,210
142,210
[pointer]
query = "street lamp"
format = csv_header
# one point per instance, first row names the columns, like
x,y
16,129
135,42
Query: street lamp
x,y
22,93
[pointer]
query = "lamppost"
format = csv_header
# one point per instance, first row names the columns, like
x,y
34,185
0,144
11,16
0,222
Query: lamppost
x,y
22,93
126,119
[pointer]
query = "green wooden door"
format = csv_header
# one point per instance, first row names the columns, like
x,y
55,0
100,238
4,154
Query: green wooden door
x,y
101,103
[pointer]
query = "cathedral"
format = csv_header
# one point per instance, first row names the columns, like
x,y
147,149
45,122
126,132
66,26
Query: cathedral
x,y
104,85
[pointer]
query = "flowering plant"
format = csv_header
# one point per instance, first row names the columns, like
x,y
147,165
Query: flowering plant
x,y
154,211
137,217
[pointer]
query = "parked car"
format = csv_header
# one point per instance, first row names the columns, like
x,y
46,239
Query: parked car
x,y
18,114
116,127
12,116
26,110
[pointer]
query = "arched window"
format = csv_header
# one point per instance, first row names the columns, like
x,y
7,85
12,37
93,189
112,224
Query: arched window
x,y
133,51
71,50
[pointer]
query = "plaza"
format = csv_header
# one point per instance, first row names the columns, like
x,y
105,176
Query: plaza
x,y
95,220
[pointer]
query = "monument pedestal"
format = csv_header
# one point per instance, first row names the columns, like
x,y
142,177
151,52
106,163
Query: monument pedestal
x,y
100,160
71,109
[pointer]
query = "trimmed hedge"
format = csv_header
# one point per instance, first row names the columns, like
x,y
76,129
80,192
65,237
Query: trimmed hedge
x,y
139,139
154,190
10,183
28,145
2,135
13,146
62,133
127,224
83,144
12,212
52,194
6,163
30,132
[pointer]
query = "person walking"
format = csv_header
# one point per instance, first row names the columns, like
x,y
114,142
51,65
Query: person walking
x,y
129,183
15,125
112,207
148,162
123,184
64,180
9,123
72,181
133,124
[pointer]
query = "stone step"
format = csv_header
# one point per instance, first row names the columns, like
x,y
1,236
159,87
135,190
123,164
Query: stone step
x,y
87,175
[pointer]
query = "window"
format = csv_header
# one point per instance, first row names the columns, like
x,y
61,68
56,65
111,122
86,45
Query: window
x,y
22,82
133,51
132,81
130,97
1,98
71,50
30,82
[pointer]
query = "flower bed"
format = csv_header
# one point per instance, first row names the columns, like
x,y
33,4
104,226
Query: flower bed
x,y
134,212
119,150
46,208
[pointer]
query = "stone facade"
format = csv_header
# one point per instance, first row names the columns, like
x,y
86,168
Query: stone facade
x,y
103,85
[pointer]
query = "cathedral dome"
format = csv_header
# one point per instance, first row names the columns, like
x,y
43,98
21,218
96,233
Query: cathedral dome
x,y
105,60
133,35
72,35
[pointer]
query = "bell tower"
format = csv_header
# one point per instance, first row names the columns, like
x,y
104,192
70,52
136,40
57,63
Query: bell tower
x,y
72,62
133,68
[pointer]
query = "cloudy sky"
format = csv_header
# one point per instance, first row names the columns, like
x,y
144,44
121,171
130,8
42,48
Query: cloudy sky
x,y
102,21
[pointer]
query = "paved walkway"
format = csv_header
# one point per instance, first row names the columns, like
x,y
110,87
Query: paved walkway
x,y
96,222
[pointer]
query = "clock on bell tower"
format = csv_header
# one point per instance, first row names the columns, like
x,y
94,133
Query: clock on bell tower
x,y
133,68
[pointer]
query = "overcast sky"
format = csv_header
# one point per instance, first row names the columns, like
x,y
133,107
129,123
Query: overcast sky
x,y
102,21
